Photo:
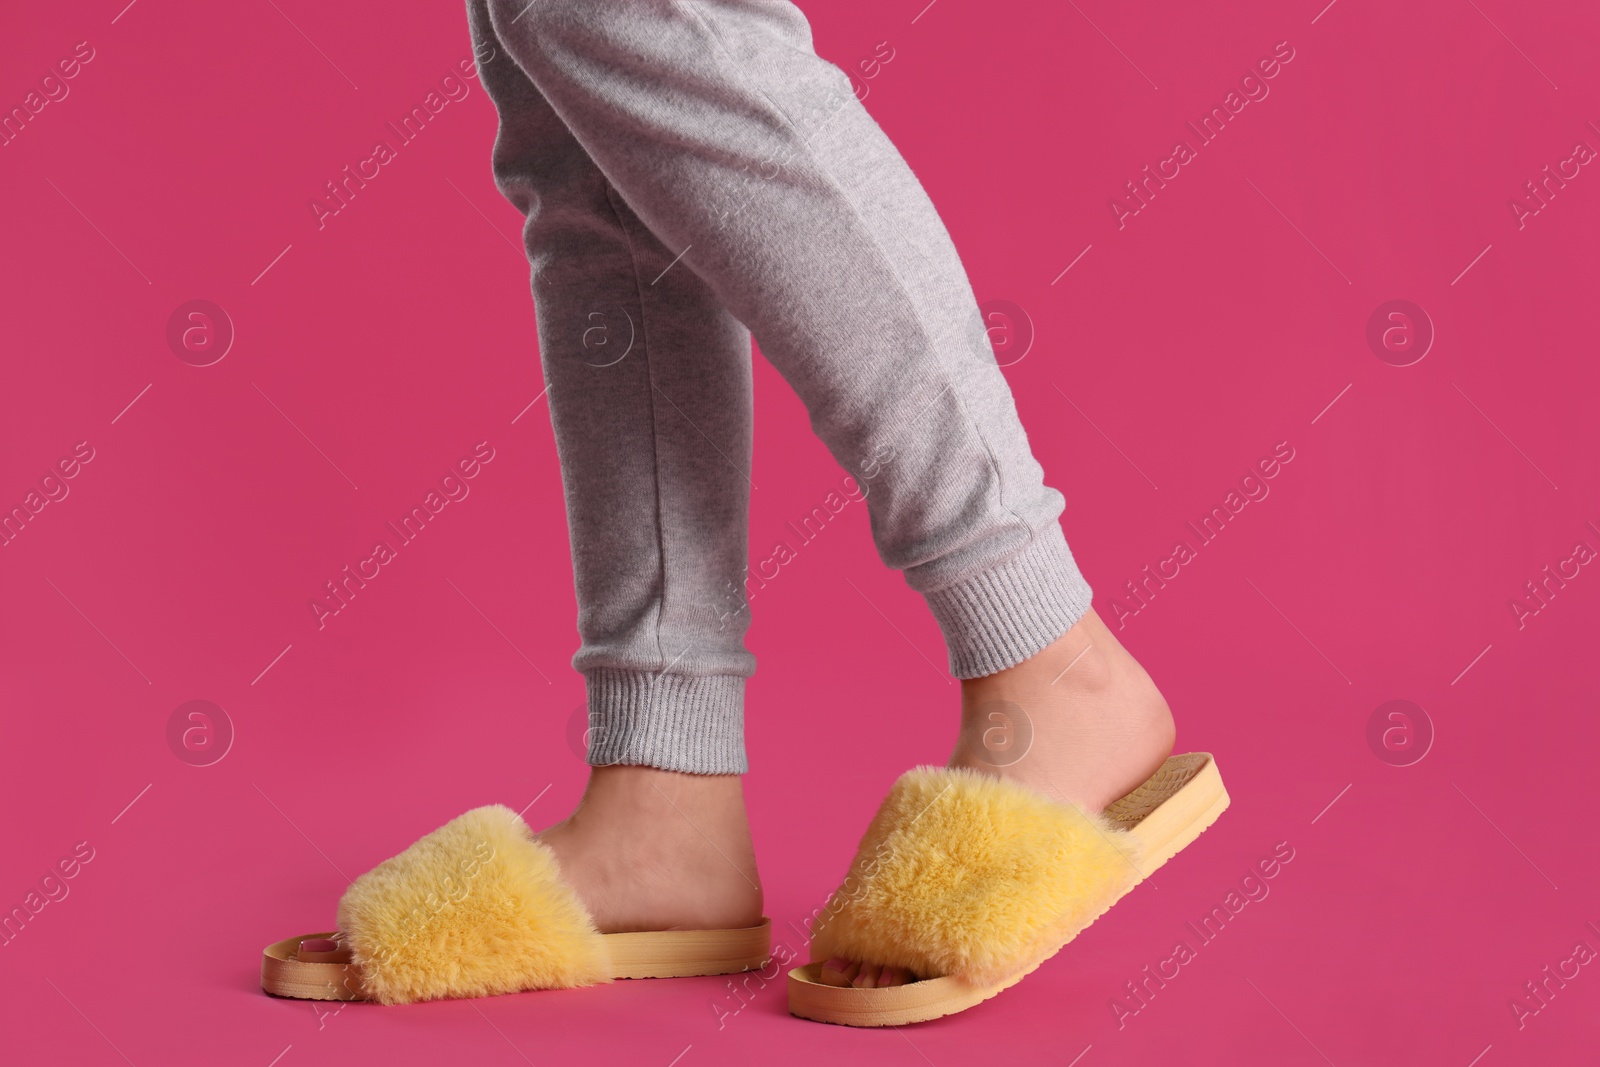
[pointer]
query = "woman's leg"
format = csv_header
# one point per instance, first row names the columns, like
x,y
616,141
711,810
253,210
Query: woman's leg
x,y
749,156
753,163
649,391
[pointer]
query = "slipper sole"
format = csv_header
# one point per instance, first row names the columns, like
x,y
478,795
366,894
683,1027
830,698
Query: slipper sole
x,y
648,954
1166,813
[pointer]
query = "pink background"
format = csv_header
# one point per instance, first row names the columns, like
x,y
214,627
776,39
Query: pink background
x,y
1227,316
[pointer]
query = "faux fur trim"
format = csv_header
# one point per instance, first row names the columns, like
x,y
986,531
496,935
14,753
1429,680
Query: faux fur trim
x,y
475,908
962,873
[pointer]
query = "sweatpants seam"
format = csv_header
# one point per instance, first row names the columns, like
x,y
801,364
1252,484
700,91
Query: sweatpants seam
x,y
1000,481
723,48
655,431
885,261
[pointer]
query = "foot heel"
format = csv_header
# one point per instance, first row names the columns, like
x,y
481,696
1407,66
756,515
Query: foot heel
x,y
1179,809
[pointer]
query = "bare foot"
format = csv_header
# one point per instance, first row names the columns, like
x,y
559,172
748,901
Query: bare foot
x,y
648,849
1080,722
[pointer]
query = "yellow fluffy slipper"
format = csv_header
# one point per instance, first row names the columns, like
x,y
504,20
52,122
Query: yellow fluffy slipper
x,y
970,882
478,908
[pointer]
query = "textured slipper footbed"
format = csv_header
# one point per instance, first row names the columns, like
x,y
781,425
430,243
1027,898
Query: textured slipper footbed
x,y
965,876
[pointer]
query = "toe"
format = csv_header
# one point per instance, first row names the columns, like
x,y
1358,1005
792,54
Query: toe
x,y
842,972
837,972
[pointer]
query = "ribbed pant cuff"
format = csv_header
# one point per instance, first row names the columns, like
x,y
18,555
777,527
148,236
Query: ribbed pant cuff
x,y
676,722
1001,617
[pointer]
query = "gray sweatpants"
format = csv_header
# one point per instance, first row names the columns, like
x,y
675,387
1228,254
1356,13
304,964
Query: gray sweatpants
x,y
693,173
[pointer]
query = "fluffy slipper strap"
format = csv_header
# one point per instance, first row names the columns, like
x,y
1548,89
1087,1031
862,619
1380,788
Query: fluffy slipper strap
x,y
965,874
475,908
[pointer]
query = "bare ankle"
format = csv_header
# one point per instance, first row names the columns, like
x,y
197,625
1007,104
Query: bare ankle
x,y
622,787
1080,721
648,849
